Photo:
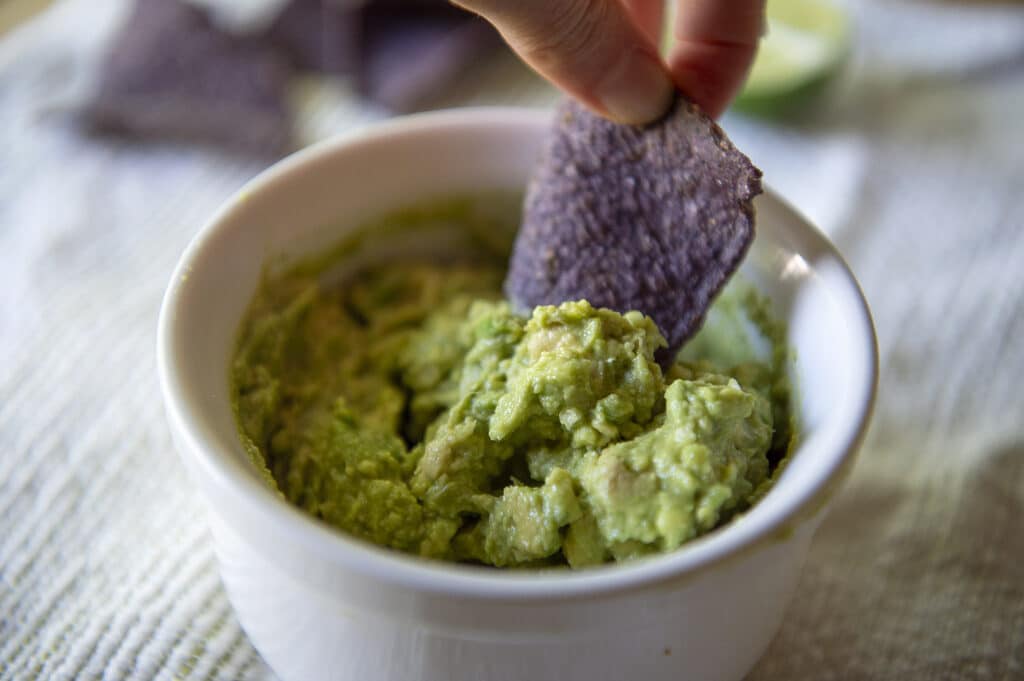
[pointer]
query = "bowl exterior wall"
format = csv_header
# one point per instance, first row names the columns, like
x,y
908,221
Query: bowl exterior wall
x,y
711,627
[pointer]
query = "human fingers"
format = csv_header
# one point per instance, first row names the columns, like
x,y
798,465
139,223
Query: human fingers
x,y
715,44
648,16
592,49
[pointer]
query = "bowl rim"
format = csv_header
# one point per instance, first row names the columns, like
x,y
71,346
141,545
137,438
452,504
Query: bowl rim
x,y
376,563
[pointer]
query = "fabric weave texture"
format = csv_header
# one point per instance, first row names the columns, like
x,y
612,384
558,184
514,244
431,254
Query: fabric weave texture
x,y
914,170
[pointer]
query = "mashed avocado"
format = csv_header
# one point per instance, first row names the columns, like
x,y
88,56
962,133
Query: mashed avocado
x,y
409,406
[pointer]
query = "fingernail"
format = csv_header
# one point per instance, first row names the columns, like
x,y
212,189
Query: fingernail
x,y
637,90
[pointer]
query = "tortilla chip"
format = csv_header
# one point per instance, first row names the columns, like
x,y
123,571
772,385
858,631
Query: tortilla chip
x,y
319,35
171,75
411,53
653,218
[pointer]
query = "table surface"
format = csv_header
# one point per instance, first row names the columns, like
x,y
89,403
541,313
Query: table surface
x,y
914,169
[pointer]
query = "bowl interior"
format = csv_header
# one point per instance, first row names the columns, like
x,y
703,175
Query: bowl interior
x,y
306,203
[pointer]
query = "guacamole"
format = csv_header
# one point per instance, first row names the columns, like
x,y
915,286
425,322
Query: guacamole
x,y
407,404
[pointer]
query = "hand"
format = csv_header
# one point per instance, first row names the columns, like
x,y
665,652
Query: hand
x,y
603,51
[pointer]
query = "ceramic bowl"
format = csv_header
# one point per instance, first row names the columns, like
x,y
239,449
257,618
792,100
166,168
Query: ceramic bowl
x,y
318,604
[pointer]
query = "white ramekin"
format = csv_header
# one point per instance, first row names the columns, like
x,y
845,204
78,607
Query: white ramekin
x,y
320,605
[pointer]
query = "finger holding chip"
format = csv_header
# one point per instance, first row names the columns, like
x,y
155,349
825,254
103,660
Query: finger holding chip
x,y
604,52
592,49
714,44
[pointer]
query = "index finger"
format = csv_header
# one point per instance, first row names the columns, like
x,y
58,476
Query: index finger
x,y
592,49
715,44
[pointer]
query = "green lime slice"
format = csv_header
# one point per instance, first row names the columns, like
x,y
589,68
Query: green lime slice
x,y
805,46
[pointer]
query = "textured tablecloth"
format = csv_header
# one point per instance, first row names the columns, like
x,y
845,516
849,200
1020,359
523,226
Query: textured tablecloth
x,y
917,173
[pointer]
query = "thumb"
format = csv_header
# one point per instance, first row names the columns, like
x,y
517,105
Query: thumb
x,y
590,48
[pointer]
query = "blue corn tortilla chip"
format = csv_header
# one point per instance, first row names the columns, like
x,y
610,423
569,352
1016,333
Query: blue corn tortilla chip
x,y
319,35
171,75
653,218
412,51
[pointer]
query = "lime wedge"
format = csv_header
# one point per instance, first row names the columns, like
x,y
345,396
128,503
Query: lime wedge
x,y
805,46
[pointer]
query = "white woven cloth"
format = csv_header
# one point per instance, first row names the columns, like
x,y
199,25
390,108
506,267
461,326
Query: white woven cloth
x,y
917,172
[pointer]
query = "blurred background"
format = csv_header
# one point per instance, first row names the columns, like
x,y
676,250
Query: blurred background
x,y
897,126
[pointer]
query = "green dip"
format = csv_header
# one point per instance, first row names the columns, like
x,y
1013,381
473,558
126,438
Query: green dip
x,y
406,404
